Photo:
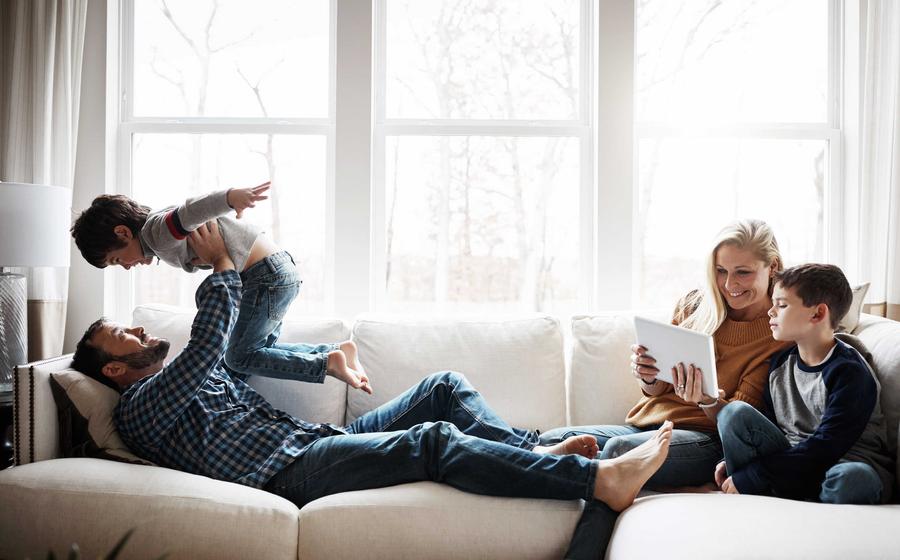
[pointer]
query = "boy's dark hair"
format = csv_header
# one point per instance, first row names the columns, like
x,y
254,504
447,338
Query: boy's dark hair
x,y
819,283
89,359
93,230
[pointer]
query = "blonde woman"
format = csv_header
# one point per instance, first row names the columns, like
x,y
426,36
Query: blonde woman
x,y
732,308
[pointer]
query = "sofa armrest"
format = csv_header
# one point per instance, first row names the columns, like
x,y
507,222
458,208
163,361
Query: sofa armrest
x,y
35,422
48,505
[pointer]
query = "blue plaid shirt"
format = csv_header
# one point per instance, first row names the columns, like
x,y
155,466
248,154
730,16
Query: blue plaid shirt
x,y
197,417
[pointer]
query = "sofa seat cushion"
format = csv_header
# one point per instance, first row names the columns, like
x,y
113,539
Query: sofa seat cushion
x,y
313,402
692,526
430,520
517,364
49,505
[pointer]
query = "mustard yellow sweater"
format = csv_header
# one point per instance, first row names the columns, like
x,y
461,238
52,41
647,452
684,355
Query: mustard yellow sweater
x,y
743,350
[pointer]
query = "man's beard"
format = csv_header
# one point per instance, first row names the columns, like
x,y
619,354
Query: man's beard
x,y
146,357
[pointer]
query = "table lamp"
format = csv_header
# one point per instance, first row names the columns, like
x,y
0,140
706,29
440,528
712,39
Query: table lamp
x,y
34,231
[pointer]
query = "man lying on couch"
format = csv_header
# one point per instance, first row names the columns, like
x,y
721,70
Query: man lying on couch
x,y
194,415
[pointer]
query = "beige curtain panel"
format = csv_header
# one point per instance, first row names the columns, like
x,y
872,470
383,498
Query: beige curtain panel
x,y
41,49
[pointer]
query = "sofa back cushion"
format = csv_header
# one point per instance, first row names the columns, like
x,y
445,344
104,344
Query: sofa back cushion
x,y
517,364
882,338
601,387
309,401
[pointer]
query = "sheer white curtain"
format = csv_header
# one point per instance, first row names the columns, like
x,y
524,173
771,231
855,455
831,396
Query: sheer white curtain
x,y
41,47
880,159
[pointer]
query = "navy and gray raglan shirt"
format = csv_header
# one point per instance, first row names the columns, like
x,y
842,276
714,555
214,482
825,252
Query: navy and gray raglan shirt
x,y
829,413
165,231
197,416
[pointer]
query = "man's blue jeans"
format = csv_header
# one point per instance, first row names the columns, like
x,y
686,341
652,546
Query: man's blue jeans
x,y
269,287
748,435
691,462
440,430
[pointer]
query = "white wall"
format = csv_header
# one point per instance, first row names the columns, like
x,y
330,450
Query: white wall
x,y
86,282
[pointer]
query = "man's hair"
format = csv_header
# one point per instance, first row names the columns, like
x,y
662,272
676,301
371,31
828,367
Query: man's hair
x,y
819,283
94,229
89,359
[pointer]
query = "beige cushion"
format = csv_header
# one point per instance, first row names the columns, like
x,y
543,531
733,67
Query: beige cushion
x,y
94,403
314,402
49,505
850,319
882,337
728,526
517,364
429,520
601,387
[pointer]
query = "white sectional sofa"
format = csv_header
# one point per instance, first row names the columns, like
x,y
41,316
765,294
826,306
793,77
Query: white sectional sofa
x,y
526,370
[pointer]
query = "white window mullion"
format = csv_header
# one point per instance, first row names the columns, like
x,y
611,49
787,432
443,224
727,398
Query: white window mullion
x,y
614,150
352,224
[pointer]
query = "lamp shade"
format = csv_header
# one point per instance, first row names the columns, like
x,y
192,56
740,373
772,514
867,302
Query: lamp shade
x,y
34,225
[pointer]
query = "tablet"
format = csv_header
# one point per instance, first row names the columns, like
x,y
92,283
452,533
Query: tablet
x,y
669,345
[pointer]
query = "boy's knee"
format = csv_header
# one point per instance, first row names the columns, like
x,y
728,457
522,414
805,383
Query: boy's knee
x,y
734,412
851,483
445,378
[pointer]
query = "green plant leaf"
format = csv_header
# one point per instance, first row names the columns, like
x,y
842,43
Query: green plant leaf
x,y
114,553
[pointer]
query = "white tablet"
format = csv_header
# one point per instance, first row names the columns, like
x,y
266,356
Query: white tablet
x,y
669,344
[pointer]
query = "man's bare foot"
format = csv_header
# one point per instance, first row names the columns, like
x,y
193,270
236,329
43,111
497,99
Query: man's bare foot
x,y
619,480
584,445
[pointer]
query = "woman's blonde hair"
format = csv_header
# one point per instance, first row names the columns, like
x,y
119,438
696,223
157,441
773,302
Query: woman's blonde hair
x,y
708,305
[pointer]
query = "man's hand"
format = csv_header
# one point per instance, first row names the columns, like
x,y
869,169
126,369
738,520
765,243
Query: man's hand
x,y
241,199
207,242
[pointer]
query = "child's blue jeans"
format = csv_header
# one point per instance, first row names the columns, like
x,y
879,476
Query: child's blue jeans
x,y
748,435
253,349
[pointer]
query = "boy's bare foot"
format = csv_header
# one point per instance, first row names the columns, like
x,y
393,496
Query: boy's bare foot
x,y
348,347
337,367
584,445
619,480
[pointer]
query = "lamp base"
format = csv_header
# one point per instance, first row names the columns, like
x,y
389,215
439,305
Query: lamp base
x,y
13,326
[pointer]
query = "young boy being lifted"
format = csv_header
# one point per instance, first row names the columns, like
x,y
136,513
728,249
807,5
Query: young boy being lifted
x,y
118,231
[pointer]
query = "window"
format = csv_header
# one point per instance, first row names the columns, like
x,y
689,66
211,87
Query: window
x,y
482,139
734,118
457,160
229,94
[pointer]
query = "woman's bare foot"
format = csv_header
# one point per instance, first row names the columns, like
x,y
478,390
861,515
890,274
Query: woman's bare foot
x,y
619,480
584,445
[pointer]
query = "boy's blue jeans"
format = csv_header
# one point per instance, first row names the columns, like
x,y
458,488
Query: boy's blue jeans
x,y
748,435
440,430
691,462
269,287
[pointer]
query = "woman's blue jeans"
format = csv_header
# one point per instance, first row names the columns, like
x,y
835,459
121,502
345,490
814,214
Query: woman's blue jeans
x,y
269,287
747,435
440,430
691,462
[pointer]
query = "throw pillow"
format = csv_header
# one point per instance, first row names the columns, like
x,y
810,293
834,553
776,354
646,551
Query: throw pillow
x,y
85,412
851,318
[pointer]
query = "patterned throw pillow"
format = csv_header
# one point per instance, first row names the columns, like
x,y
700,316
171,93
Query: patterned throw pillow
x,y
85,409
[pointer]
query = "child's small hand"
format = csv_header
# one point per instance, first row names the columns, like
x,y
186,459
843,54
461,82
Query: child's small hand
x,y
721,474
241,199
728,487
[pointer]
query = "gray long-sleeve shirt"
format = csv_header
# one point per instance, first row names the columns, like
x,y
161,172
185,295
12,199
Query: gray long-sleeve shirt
x,y
165,232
